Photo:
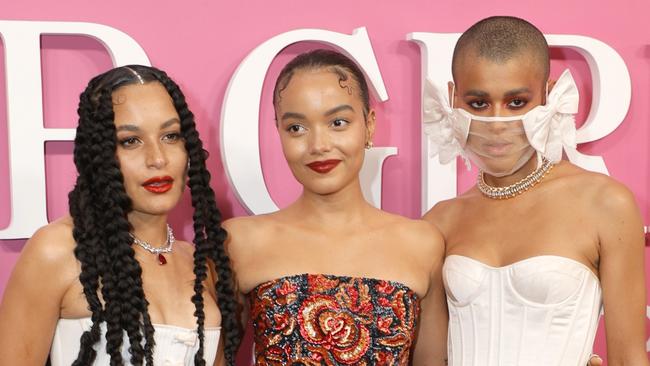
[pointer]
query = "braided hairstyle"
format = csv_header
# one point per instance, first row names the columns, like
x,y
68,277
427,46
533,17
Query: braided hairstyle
x,y
99,206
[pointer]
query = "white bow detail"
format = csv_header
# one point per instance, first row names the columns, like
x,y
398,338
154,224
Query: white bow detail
x,y
188,339
552,126
442,126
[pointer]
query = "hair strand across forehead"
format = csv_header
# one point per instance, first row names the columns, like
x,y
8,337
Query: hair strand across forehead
x,y
333,61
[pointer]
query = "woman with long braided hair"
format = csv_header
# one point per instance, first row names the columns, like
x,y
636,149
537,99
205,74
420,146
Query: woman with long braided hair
x,y
109,284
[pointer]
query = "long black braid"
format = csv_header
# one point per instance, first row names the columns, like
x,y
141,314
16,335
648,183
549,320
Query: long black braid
x,y
99,206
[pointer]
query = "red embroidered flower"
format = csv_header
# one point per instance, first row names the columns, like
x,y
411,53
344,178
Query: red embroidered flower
x,y
383,358
282,322
355,296
317,320
383,324
320,283
322,321
385,287
286,288
274,354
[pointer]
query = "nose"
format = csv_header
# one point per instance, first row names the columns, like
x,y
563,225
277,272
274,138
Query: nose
x,y
320,141
156,157
499,111
498,127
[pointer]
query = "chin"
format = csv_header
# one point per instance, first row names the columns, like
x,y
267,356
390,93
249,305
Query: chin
x,y
154,210
157,206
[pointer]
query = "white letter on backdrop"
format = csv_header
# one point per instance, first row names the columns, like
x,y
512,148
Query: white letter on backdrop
x,y
608,73
26,133
240,122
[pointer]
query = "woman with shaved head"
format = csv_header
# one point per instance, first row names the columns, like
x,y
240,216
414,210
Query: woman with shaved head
x,y
539,245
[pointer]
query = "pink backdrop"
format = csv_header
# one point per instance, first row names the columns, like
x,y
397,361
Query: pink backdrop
x,y
201,43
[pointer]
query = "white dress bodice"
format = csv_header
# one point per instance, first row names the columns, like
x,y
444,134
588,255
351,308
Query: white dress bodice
x,y
175,346
543,310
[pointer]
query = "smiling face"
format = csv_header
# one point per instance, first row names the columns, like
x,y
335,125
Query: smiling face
x,y
150,149
487,88
323,129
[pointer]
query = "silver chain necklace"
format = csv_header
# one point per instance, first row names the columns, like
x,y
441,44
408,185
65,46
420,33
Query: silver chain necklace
x,y
500,193
167,248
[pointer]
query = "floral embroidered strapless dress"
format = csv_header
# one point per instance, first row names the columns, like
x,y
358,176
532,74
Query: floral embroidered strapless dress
x,y
333,320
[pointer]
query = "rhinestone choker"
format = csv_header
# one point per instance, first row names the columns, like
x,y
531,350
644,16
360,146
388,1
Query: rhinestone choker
x,y
500,193
167,248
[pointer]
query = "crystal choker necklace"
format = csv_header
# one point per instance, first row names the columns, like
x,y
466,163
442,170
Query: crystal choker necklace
x,y
500,193
167,248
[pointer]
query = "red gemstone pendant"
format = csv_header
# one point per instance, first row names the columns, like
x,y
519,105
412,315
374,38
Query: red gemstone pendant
x,y
161,259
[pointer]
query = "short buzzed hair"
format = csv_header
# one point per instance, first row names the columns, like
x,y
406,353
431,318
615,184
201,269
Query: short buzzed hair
x,y
499,39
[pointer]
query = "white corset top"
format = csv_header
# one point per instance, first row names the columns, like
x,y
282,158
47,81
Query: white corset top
x,y
175,346
539,311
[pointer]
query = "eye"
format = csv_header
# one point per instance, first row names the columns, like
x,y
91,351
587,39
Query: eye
x,y
478,104
340,123
172,137
129,142
517,103
295,129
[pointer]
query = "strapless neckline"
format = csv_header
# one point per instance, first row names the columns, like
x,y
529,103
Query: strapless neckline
x,y
155,325
174,345
396,284
526,260
333,319
542,309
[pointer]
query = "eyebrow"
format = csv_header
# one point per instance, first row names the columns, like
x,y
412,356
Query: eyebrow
x,y
133,128
476,93
509,93
513,92
343,107
289,115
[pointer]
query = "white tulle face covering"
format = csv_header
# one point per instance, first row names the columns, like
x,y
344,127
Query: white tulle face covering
x,y
502,145
496,145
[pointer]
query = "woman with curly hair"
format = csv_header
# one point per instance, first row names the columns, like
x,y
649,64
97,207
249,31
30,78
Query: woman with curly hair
x,y
109,284
330,279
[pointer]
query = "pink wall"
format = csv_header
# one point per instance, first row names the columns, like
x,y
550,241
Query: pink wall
x,y
201,43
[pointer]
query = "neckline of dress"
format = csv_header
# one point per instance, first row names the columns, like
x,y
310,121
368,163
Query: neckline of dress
x,y
332,276
155,325
525,260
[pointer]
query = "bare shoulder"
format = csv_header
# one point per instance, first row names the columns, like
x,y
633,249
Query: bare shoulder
x,y
52,244
424,237
247,227
444,214
50,250
440,210
600,191
245,232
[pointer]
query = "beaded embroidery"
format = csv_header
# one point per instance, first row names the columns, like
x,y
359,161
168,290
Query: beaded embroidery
x,y
333,320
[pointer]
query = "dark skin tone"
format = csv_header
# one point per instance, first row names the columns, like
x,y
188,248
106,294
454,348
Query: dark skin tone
x,y
542,221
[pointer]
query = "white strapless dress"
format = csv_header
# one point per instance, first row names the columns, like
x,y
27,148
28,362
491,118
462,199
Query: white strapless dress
x,y
539,311
175,346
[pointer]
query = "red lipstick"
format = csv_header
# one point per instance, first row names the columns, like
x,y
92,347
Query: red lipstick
x,y
325,166
159,184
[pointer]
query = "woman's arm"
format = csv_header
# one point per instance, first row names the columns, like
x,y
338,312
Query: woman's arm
x,y
431,343
622,276
31,304
220,360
